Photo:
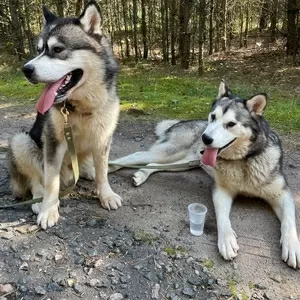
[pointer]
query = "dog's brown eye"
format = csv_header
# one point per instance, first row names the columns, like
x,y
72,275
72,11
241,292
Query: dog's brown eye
x,y
213,117
231,124
38,50
58,49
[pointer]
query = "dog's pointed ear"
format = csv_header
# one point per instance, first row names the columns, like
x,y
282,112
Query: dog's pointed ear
x,y
257,104
91,19
49,16
224,91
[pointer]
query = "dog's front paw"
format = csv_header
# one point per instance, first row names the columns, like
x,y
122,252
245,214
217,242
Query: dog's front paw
x,y
113,201
138,178
291,252
227,244
46,217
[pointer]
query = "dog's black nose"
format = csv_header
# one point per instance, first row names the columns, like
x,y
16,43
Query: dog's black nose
x,y
28,70
207,140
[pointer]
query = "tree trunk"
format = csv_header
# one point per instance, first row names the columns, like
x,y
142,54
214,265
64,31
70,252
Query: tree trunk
x,y
223,24
185,36
127,51
292,27
167,28
241,26
229,28
263,20
17,36
246,25
135,42
60,7
217,18
172,29
78,7
202,17
211,28
144,30
163,30
274,20
29,34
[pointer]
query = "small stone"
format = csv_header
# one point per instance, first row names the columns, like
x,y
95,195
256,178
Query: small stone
x,y
71,282
267,296
79,260
277,278
14,248
23,288
102,295
176,285
116,296
104,283
73,274
114,281
188,292
138,267
204,270
98,263
259,286
24,266
58,257
138,138
168,269
125,279
78,288
197,272
150,276
92,252
25,257
235,265
60,279
91,222
54,287
155,291
189,260
39,290
94,282
6,288
195,281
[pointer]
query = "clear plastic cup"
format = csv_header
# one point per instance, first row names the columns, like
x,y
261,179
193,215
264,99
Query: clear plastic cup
x,y
197,214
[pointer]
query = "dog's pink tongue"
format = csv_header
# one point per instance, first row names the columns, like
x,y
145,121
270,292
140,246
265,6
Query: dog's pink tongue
x,y
46,100
209,156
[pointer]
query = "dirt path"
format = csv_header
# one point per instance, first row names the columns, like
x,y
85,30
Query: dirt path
x,y
144,248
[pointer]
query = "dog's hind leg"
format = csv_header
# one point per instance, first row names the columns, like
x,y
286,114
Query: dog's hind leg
x,y
142,175
285,210
141,157
25,166
86,167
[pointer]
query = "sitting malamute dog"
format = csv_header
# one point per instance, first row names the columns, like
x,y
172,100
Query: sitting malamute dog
x,y
76,61
242,154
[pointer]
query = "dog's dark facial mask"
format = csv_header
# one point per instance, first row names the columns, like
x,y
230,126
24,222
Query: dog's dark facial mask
x,y
229,126
90,21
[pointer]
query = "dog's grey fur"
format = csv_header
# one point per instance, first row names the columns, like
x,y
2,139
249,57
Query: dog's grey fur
x,y
38,161
249,162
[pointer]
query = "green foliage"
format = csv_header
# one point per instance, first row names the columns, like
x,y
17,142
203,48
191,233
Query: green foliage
x,y
170,93
145,237
208,263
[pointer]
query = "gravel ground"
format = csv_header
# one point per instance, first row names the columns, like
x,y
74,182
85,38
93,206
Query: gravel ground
x,y
144,249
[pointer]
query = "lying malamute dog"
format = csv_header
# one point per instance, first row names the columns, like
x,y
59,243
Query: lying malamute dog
x,y
242,154
76,61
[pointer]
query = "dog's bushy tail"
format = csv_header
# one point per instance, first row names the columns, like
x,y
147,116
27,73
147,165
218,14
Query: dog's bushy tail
x,y
162,126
